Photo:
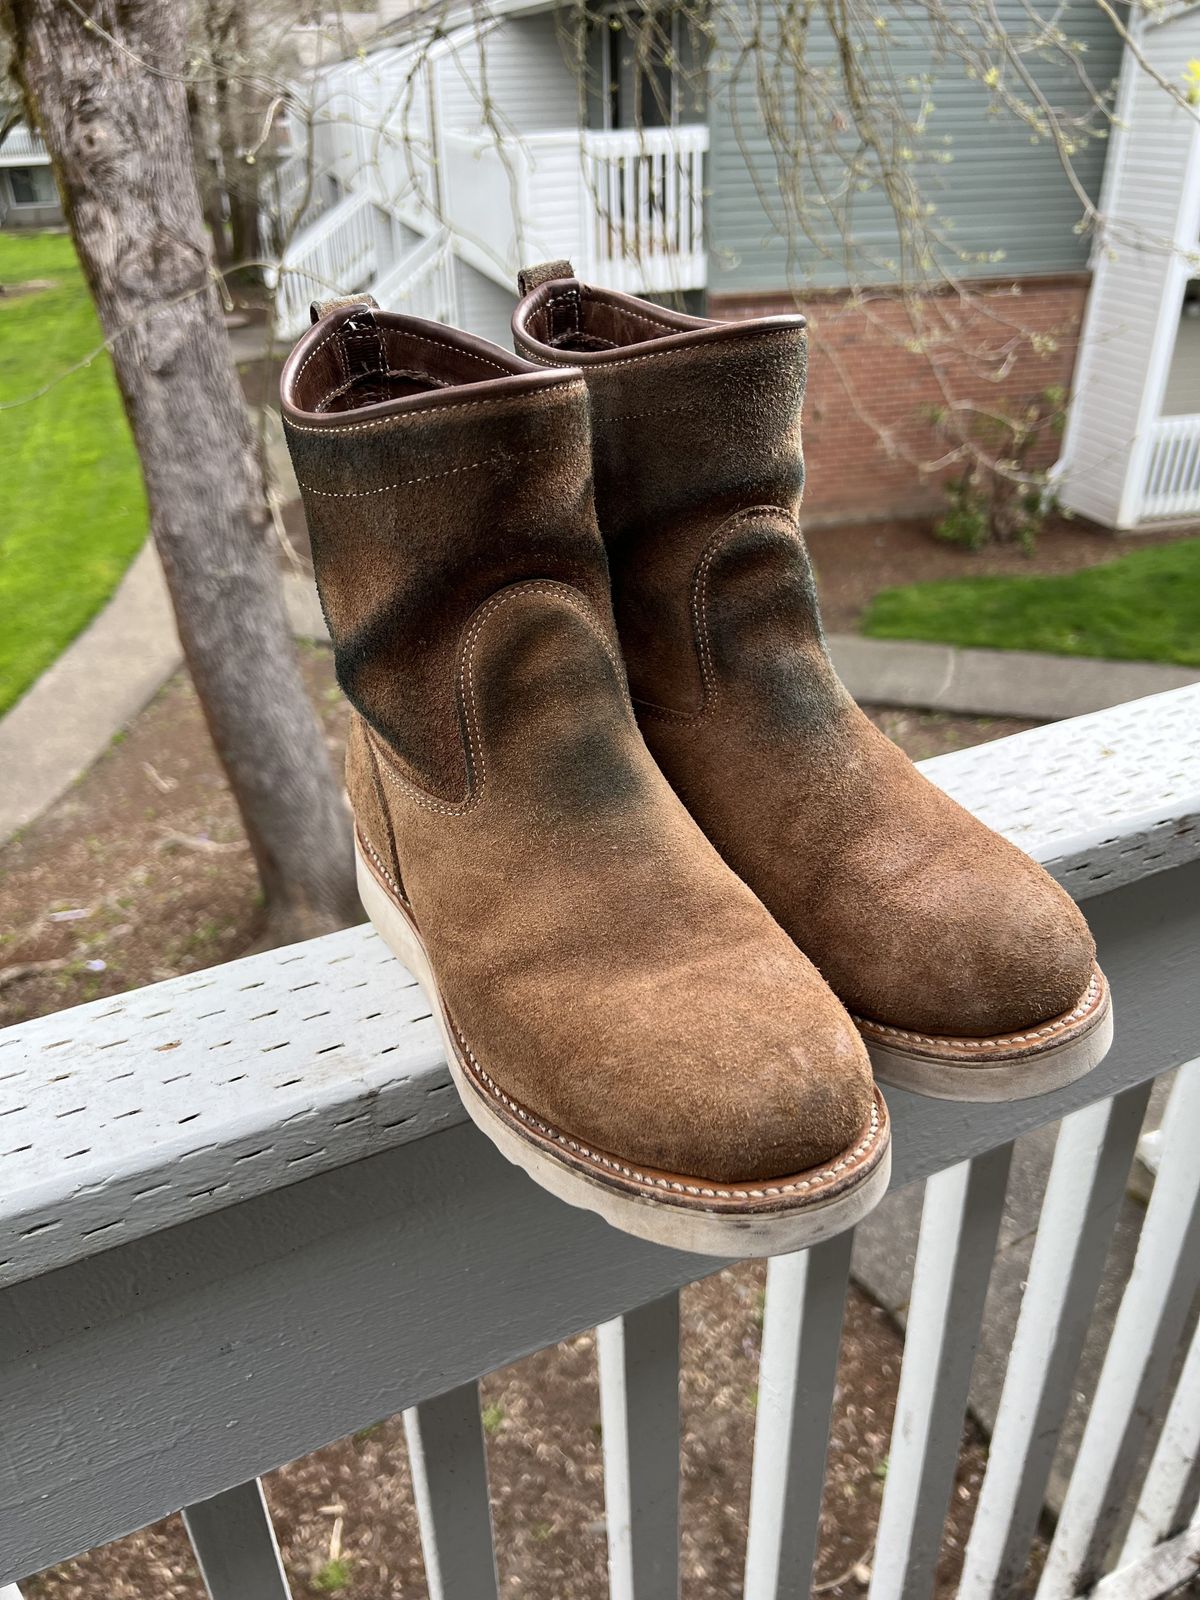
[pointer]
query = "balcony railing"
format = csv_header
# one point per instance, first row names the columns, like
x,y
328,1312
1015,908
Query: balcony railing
x,y
422,282
335,255
1172,478
627,207
242,1214
23,147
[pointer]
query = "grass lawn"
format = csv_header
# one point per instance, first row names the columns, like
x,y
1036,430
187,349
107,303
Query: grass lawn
x,y
1142,607
74,510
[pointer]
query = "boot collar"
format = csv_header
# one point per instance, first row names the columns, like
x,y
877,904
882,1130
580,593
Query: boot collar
x,y
358,362
565,322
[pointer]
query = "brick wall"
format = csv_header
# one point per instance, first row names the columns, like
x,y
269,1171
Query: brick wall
x,y
870,443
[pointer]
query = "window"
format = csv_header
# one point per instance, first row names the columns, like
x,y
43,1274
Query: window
x,y
32,186
639,67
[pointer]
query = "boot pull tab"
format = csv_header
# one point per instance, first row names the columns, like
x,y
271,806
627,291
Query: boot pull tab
x,y
322,308
360,345
530,278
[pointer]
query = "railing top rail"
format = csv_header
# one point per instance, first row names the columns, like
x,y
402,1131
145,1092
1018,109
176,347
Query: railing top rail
x,y
683,137
130,1114
22,144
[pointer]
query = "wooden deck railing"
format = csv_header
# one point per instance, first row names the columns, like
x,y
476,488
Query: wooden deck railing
x,y
242,1215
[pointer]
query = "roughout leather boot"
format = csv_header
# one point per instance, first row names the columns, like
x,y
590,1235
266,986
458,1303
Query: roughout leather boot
x,y
970,974
623,1018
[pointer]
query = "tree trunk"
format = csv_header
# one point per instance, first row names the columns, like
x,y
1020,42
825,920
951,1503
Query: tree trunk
x,y
115,120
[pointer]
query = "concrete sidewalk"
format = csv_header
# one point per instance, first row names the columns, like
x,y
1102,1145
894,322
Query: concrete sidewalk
x,y
124,656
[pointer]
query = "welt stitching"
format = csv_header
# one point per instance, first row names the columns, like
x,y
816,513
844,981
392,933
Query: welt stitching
x,y
450,472
656,355
422,416
466,683
818,1180
1030,1036
851,1157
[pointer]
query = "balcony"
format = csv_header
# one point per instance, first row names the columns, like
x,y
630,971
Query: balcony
x,y
23,148
1171,484
292,1231
626,207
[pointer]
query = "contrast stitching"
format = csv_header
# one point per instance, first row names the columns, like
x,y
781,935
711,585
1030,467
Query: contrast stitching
x,y
1059,1025
815,1181
700,631
404,483
818,1180
633,416
573,294
424,416
655,355
466,693
377,373
415,338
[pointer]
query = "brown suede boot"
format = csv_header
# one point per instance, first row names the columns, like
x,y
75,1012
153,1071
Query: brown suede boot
x,y
622,1016
970,973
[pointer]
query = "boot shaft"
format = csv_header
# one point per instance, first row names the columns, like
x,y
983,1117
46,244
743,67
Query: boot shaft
x,y
435,469
699,475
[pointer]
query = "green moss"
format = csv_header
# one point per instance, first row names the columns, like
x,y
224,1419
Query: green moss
x,y
1142,607
75,511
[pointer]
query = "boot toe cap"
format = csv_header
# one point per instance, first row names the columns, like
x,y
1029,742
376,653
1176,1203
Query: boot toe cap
x,y
731,1093
980,952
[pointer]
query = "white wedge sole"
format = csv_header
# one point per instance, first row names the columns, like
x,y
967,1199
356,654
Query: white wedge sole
x,y
684,1213
1010,1067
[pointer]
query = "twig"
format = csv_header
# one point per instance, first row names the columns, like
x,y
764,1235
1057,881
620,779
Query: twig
x,y
174,840
30,969
857,1570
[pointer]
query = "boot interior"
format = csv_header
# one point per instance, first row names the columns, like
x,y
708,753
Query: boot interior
x,y
368,361
581,318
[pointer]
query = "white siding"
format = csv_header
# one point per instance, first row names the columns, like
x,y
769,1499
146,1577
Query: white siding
x,y
519,69
1133,310
484,308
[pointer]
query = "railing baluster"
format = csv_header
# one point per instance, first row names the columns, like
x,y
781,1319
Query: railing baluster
x,y
449,1470
1087,1180
802,1329
960,1222
639,1411
1162,1508
1149,1324
235,1545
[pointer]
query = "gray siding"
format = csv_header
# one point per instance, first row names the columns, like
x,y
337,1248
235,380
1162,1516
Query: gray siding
x,y
999,191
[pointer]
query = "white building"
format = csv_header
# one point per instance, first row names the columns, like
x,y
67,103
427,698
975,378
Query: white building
x,y
432,171
1131,453
28,197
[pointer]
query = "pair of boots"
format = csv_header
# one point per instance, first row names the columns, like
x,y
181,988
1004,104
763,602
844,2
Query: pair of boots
x,y
670,892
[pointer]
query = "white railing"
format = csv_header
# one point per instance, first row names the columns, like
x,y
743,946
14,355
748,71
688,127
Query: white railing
x,y
1171,486
335,255
242,1214
627,207
22,146
422,282
646,211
